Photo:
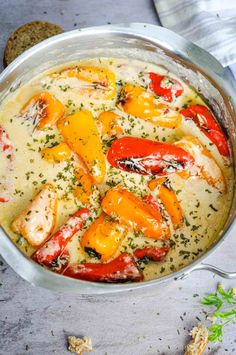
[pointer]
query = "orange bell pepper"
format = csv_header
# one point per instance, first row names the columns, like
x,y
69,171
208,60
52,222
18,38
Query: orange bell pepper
x,y
84,190
81,134
169,200
172,205
154,183
103,238
109,123
57,153
136,101
208,167
134,213
184,174
43,109
100,82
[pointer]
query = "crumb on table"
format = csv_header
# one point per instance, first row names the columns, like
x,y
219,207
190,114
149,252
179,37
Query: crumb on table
x,y
79,345
199,341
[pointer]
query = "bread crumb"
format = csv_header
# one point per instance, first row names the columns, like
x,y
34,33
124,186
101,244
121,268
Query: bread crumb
x,y
199,341
79,345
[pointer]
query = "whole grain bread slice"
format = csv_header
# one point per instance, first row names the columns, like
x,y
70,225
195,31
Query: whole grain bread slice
x,y
27,36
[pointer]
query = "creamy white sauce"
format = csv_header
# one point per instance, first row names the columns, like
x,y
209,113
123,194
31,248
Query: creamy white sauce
x,y
30,171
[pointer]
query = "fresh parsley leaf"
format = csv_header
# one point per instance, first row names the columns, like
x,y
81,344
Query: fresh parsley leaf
x,y
223,315
212,300
229,296
226,301
216,332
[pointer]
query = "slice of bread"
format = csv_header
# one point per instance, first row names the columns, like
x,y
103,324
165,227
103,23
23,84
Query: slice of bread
x,y
27,36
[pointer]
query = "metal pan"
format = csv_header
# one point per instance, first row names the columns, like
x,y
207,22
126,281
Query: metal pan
x,y
138,41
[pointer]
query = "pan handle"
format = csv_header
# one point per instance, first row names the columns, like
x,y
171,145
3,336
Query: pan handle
x,y
211,268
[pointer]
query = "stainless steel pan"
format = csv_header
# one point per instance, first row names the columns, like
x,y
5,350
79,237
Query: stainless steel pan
x,y
139,41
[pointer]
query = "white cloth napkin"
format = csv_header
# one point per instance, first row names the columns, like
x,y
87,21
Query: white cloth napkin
x,y
211,24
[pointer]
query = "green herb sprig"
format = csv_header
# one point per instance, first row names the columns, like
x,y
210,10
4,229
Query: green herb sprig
x,y
224,301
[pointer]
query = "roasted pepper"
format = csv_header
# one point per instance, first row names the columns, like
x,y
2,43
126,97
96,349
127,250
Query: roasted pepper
x,y
172,205
85,186
121,269
103,238
59,152
166,87
205,120
144,156
151,253
137,102
109,122
169,201
43,110
81,134
154,183
96,81
37,221
135,213
59,264
55,246
208,167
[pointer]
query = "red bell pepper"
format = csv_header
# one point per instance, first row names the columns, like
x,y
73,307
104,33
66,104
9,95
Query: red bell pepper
x,y
151,253
165,86
6,147
59,264
54,247
121,269
4,199
208,125
152,201
144,156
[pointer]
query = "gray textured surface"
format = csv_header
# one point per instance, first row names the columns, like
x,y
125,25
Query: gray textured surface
x,y
36,321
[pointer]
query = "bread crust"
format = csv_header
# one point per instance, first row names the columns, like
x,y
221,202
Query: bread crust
x,y
26,36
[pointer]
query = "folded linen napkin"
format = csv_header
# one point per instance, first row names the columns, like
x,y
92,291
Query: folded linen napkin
x,y
211,24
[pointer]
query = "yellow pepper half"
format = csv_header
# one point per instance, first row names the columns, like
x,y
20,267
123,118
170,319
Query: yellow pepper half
x,y
57,153
138,102
103,237
109,123
98,81
81,134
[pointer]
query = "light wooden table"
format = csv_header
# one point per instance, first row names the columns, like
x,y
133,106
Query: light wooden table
x,y
35,321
